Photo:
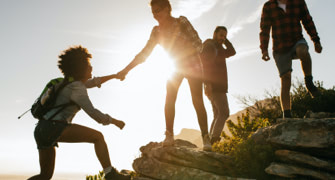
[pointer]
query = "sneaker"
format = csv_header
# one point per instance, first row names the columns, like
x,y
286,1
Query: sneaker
x,y
116,175
207,143
169,139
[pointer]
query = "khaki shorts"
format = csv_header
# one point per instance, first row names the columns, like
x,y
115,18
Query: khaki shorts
x,y
284,60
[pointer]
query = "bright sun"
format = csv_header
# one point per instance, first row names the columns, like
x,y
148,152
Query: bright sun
x,y
159,66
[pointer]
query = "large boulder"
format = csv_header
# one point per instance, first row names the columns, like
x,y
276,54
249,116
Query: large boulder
x,y
292,172
307,147
294,157
312,136
183,161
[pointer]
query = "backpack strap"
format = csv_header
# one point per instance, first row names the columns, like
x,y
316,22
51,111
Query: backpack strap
x,y
63,106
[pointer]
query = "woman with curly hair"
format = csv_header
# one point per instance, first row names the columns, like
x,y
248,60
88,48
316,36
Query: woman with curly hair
x,y
75,65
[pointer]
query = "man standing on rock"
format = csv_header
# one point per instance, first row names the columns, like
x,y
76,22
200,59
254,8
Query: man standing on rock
x,y
285,17
216,81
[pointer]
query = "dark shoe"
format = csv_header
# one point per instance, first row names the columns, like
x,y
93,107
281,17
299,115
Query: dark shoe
x,y
287,114
311,88
115,175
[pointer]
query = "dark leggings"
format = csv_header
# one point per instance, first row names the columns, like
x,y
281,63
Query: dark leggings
x,y
172,88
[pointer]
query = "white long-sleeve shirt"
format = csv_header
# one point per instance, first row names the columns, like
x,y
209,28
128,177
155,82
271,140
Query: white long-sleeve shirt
x,y
77,92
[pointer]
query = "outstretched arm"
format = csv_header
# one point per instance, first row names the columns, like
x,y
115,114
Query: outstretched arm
x,y
97,81
142,56
103,79
80,97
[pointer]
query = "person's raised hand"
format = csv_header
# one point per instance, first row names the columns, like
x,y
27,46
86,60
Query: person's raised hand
x,y
265,56
318,47
121,75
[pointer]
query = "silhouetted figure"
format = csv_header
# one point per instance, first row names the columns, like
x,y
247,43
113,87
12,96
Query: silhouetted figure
x,y
216,78
284,17
178,37
76,68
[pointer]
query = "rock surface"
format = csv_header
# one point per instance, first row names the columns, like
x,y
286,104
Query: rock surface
x,y
312,136
291,171
307,147
183,161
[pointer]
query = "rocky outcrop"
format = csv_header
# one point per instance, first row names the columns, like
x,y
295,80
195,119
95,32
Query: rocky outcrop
x,y
291,171
183,161
305,147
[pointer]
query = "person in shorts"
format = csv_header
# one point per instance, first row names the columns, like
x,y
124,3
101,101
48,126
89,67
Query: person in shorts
x,y
75,65
283,18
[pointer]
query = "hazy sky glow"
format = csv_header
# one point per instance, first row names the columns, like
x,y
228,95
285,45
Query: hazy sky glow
x,y
33,33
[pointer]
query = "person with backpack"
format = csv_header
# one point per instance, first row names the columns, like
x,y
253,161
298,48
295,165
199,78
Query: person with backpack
x,y
181,40
213,57
57,127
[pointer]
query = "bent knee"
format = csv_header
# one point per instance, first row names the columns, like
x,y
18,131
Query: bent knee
x,y
302,51
97,136
286,77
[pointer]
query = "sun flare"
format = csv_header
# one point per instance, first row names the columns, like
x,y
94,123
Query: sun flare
x,y
159,65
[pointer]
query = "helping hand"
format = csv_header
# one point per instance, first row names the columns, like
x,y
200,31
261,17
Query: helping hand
x,y
121,75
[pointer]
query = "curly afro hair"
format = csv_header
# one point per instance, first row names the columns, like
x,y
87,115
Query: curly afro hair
x,y
74,62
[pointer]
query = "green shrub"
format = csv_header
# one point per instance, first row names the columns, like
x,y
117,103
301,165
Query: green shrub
x,y
250,159
301,102
99,176
241,131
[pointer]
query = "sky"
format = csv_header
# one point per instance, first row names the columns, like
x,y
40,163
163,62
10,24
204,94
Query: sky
x,y
33,33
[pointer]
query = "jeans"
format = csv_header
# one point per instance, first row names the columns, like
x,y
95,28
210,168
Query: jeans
x,y
220,106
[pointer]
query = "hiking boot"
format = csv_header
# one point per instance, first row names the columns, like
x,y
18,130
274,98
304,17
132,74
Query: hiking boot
x,y
116,175
311,88
287,114
207,143
169,139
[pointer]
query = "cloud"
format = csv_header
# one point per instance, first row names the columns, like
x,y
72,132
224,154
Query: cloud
x,y
248,18
243,53
192,9
240,16
98,35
